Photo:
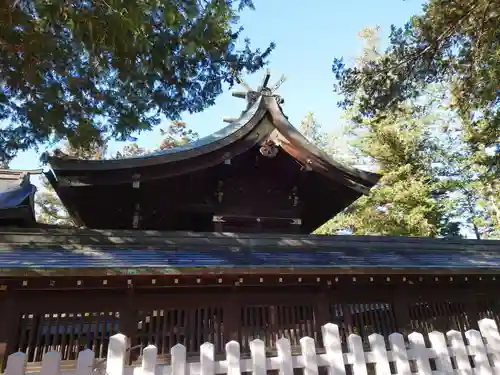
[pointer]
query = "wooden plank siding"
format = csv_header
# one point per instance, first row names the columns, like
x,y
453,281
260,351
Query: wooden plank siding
x,y
70,322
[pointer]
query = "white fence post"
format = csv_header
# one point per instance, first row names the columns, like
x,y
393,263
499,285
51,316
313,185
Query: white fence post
x,y
117,351
149,355
462,358
356,348
308,348
417,344
477,349
51,363
398,348
333,348
443,361
377,344
16,364
85,363
284,356
489,330
233,358
178,353
207,359
258,350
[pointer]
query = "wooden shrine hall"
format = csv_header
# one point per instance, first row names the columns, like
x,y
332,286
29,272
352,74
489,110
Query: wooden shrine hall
x,y
211,242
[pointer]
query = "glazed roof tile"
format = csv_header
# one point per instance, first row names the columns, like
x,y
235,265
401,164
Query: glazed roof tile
x,y
143,252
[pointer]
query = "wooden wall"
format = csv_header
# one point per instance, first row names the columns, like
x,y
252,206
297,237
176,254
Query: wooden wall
x,y
70,321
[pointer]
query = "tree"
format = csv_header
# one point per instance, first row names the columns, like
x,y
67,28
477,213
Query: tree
x,y
76,70
409,199
405,146
311,129
177,134
50,209
333,143
469,203
454,44
130,151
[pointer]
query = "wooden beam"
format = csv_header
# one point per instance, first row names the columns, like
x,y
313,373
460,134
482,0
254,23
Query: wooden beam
x,y
9,325
239,94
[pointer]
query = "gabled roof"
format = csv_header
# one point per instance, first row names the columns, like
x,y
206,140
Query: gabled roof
x,y
213,142
16,195
79,252
262,132
241,135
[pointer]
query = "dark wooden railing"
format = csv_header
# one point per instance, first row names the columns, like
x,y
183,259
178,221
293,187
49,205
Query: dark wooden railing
x,y
191,326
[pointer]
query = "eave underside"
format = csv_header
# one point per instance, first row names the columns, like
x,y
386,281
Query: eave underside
x,y
189,201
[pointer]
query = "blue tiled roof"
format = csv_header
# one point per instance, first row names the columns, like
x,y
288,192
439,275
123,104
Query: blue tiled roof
x,y
164,253
187,258
13,192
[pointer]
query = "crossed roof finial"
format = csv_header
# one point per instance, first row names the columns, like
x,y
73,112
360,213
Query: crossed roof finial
x,y
252,95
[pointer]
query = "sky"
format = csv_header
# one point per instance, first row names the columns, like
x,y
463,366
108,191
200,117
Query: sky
x,y
308,36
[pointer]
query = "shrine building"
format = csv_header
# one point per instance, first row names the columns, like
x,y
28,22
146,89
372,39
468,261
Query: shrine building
x,y
212,241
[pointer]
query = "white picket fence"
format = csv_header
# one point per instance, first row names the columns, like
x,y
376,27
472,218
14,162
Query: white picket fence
x,y
449,352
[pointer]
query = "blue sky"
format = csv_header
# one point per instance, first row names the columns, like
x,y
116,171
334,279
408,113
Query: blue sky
x,y
308,36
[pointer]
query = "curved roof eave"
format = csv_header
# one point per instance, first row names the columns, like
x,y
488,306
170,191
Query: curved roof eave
x,y
13,194
368,179
298,146
210,143
15,187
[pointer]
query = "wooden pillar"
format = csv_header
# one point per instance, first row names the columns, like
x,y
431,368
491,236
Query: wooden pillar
x,y
472,307
402,309
9,326
321,315
322,309
127,324
232,316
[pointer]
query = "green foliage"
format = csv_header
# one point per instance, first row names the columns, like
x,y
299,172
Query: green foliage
x,y
78,71
333,143
49,209
403,145
130,151
455,45
311,129
177,134
466,180
409,199
453,42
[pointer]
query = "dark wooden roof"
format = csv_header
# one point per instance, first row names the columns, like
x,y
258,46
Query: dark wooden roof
x,y
16,196
192,173
50,251
213,150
